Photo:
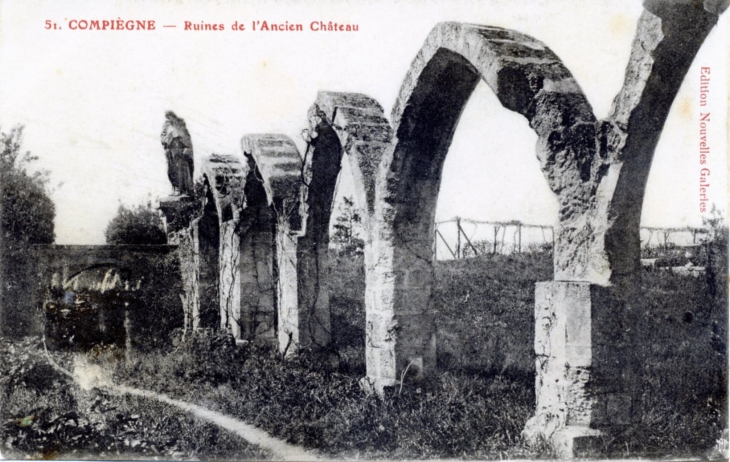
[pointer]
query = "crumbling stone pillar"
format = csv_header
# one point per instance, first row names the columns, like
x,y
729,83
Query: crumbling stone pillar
x,y
293,326
180,212
586,372
230,287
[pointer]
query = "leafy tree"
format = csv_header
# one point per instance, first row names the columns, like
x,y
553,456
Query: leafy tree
x,y
347,229
27,210
137,225
26,215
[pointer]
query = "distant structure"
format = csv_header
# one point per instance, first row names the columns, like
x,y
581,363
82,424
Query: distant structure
x,y
179,153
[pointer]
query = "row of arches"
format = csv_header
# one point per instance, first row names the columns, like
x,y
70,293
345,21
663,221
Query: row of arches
x,y
269,211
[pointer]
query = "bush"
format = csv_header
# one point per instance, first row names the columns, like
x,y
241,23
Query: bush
x,y
46,415
26,217
140,225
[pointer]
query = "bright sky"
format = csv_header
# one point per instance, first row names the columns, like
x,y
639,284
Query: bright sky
x,y
93,102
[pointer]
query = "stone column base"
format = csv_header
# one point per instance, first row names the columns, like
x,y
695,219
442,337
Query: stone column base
x,y
569,442
586,377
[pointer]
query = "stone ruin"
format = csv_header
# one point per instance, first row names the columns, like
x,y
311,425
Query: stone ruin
x,y
254,252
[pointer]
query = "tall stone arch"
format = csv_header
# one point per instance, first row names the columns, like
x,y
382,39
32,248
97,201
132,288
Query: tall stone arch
x,y
587,330
527,78
669,35
348,125
586,323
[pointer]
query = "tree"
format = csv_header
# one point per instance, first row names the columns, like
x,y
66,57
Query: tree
x,y
137,225
347,229
26,215
27,209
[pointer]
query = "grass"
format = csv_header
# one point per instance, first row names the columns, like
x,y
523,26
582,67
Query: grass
x,y
685,371
320,408
44,414
484,393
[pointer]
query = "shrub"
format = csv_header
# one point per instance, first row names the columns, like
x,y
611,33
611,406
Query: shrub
x,y
138,225
26,215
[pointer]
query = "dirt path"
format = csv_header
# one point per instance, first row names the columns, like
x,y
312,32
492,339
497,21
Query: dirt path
x,y
281,449
94,377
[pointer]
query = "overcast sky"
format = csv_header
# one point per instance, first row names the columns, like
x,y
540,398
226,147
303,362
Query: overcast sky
x,y
93,102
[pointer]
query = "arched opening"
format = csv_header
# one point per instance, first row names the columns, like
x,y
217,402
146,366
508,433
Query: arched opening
x,y
424,131
347,135
257,263
640,315
346,273
488,249
528,79
275,169
209,253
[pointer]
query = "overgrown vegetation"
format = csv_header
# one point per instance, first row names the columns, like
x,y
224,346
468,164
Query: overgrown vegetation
x,y
26,217
140,225
317,405
479,402
44,414
484,394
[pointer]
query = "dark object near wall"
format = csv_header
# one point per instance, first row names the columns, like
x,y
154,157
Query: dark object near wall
x,y
127,296
79,321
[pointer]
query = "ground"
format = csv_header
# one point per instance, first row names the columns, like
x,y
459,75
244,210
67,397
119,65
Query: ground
x,y
475,407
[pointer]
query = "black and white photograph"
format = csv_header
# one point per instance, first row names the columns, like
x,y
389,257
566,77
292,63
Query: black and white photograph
x,y
364,230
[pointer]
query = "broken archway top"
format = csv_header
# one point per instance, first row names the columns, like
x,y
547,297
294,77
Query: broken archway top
x,y
226,174
277,159
516,67
364,134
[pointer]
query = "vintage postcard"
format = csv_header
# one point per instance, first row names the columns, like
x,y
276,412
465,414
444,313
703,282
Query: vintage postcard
x,y
378,229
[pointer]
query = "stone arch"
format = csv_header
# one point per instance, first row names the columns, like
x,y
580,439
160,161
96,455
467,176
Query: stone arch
x,y
275,169
527,78
349,124
224,177
340,124
667,40
585,319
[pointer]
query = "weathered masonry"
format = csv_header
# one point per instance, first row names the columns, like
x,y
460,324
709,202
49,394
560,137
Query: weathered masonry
x,y
254,248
